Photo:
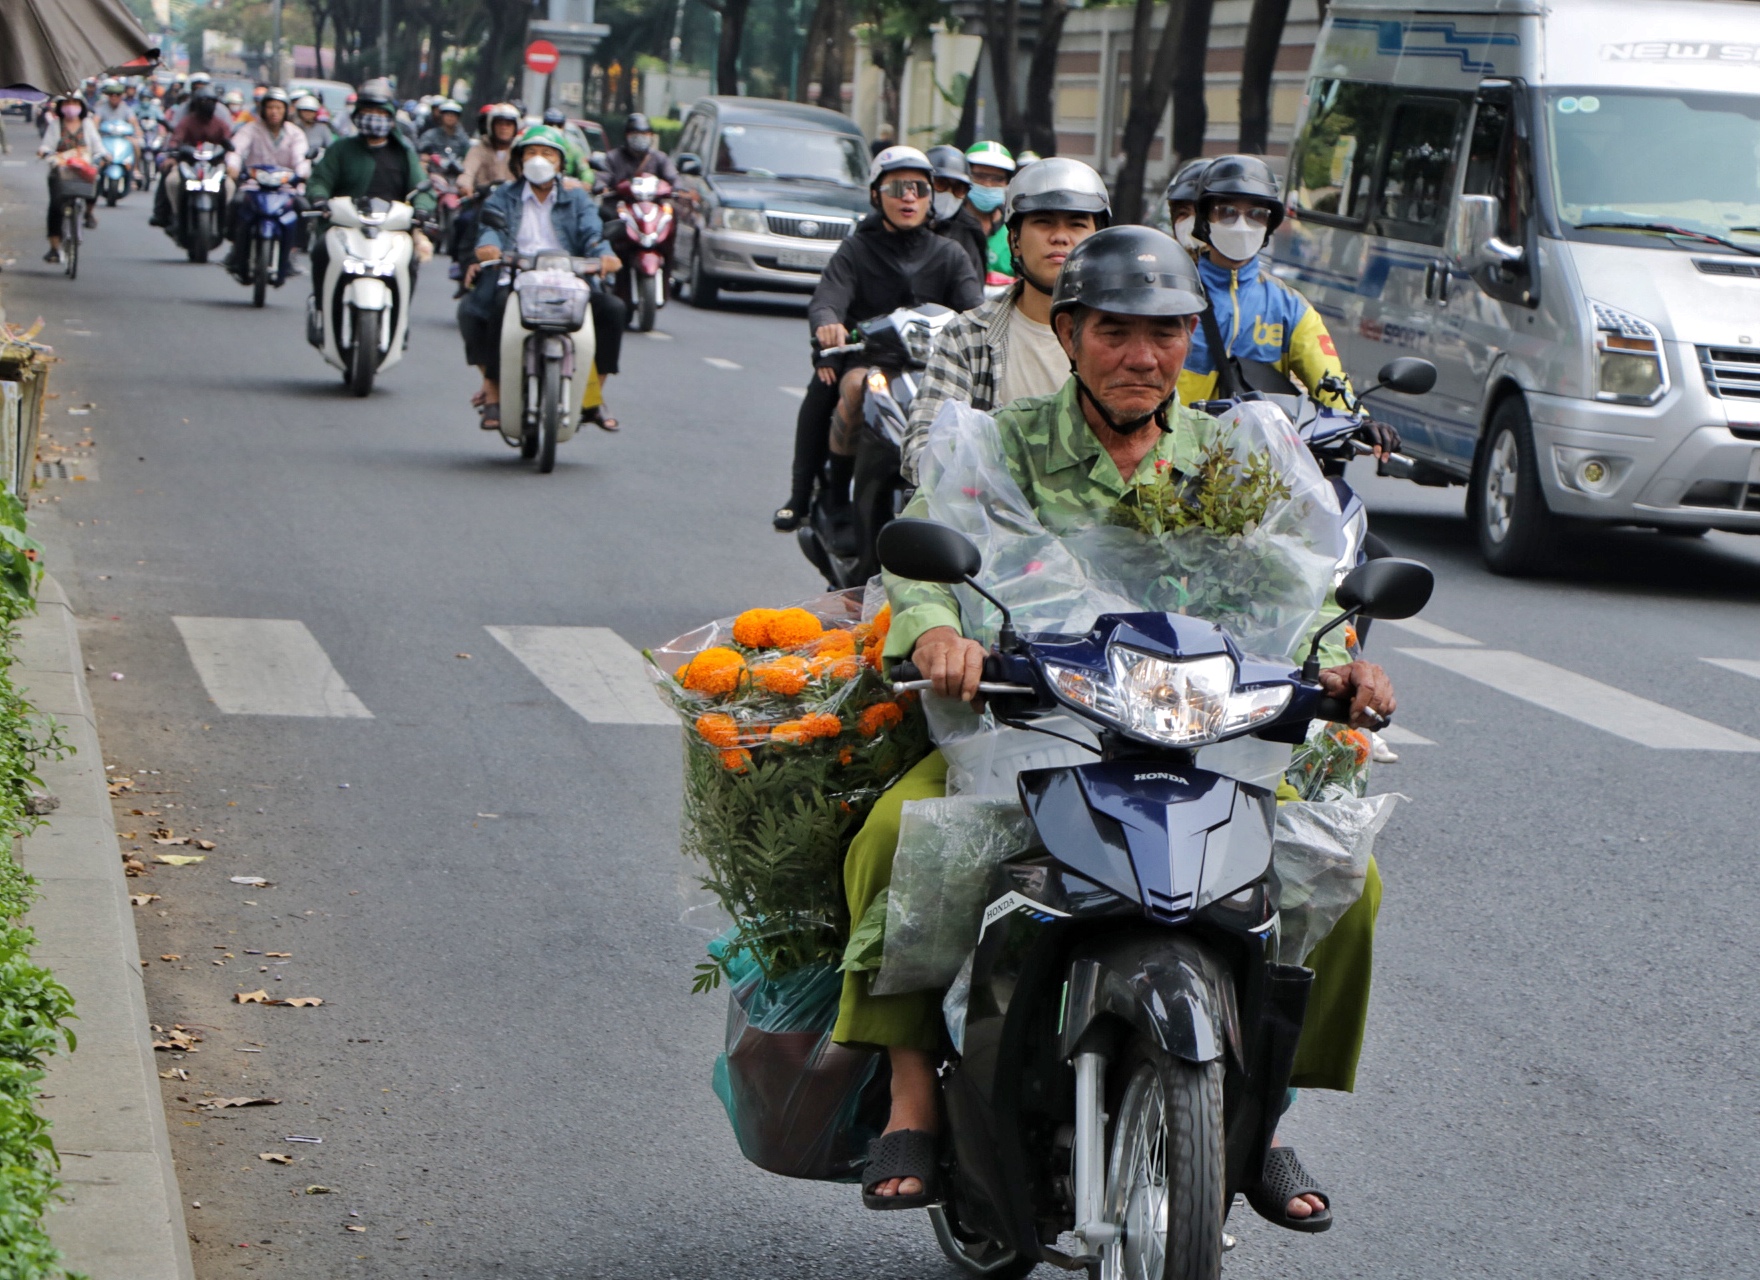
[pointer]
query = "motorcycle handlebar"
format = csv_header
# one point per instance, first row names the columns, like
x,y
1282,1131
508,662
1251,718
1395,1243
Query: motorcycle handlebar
x,y
844,350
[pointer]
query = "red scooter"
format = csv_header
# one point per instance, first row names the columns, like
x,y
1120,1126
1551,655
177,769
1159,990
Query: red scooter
x,y
645,246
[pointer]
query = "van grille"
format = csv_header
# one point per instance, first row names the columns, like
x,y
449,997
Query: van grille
x,y
1731,373
1719,267
803,228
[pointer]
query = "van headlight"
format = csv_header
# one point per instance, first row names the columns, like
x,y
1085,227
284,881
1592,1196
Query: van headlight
x,y
1629,364
1171,701
750,221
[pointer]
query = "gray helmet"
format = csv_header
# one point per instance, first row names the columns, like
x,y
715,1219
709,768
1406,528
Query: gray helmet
x,y
1131,271
378,93
277,95
1242,177
950,164
1188,183
1056,184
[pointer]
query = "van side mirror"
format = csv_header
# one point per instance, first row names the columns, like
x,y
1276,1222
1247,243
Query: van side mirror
x,y
689,162
1472,235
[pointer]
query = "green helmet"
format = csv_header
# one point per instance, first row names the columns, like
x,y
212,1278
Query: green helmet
x,y
991,154
538,134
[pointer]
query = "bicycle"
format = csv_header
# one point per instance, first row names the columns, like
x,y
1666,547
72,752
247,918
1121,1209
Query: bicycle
x,y
77,188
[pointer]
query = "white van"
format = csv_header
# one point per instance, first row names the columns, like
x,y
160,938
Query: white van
x,y
1557,202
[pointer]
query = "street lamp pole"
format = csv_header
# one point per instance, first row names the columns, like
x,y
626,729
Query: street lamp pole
x,y
275,48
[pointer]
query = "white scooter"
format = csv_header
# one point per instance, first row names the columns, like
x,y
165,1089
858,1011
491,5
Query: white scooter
x,y
359,314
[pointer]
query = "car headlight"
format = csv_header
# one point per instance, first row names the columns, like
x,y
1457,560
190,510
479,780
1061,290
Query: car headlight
x,y
1172,701
1629,364
747,220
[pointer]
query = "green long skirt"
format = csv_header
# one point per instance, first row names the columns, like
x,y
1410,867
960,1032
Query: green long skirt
x,y
1338,1006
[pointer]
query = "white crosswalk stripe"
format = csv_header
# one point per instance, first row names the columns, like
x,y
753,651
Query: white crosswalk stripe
x,y
799,393
1601,706
1741,666
592,669
267,667
1427,631
720,362
1404,737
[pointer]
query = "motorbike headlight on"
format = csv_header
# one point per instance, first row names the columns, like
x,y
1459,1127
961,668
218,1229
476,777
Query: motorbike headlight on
x,y
368,267
1629,364
750,221
1170,701
877,382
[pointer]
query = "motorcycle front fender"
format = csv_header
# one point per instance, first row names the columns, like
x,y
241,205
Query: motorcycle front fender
x,y
651,263
1164,985
368,295
202,201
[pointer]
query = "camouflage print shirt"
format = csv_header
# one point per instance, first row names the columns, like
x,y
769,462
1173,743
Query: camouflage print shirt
x,y
1068,478
1071,482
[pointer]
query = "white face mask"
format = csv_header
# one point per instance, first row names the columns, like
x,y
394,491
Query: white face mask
x,y
1182,231
1237,242
946,204
538,171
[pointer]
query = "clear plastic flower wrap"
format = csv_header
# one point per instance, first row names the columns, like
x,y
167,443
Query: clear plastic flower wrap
x,y
791,734
1319,858
942,875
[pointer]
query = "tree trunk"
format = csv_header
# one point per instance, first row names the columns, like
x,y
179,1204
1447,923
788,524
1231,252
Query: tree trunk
x,y
733,31
1191,114
493,53
1258,61
1001,38
835,51
1151,82
966,132
1042,78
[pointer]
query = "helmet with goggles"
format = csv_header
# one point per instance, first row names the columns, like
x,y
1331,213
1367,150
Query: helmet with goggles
x,y
1245,179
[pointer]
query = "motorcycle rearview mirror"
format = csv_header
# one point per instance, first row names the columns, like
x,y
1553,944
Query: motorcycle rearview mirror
x,y
1408,375
1390,588
598,163
929,551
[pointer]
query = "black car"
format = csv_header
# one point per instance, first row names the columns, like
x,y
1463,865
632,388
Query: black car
x,y
766,191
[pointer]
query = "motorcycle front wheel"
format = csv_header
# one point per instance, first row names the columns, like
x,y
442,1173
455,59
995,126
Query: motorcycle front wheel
x,y
648,294
550,410
1164,1179
72,215
363,357
197,247
262,262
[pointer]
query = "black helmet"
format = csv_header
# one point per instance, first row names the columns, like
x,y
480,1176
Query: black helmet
x,y
1188,183
950,163
1247,177
555,117
637,123
1131,271
204,92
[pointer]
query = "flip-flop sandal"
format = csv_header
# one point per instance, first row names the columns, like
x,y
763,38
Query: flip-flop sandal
x,y
491,416
1282,1181
596,416
903,1153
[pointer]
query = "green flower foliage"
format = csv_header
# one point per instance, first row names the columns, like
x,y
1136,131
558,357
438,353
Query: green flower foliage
x,y
1225,496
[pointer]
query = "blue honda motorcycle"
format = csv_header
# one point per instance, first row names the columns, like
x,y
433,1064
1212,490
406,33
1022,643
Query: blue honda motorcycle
x,y
117,176
1118,1049
271,229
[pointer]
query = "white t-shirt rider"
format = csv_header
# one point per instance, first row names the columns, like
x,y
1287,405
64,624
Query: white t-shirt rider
x,y
1036,364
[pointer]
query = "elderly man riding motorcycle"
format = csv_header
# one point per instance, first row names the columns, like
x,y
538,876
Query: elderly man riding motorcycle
x,y
1124,309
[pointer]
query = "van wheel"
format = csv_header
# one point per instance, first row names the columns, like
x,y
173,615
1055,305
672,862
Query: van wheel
x,y
704,291
1518,533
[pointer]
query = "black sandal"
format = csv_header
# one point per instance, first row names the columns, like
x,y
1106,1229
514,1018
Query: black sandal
x,y
903,1153
490,414
786,519
1282,1181
596,416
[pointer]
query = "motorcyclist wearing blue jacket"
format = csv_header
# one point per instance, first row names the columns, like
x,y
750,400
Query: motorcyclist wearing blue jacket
x,y
540,214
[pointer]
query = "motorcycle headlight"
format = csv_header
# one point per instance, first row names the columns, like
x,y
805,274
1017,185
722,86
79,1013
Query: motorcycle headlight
x,y
1629,364
919,341
747,220
1171,701
877,382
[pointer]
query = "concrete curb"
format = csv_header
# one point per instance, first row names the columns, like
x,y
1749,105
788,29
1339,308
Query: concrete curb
x,y
122,1218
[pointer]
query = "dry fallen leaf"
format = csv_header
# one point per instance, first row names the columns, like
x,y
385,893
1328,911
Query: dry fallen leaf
x,y
171,956
316,1190
178,859
274,1157
141,899
176,1073
300,1002
119,785
256,881
177,1039
352,1227
203,844
252,997
134,867
285,955
215,1104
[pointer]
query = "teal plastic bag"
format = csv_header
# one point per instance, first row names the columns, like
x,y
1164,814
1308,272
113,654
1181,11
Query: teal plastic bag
x,y
800,1105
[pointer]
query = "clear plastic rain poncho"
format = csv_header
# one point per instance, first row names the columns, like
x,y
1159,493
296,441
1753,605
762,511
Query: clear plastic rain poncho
x,y
1267,586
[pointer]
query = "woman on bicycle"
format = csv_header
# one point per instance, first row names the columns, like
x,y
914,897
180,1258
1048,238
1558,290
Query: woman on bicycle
x,y
68,127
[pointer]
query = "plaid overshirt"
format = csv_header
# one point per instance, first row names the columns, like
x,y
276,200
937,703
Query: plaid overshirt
x,y
963,366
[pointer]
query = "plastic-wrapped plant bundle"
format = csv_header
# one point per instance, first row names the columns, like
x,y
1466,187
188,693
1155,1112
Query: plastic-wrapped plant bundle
x,y
1332,764
800,1105
1319,859
791,735
942,875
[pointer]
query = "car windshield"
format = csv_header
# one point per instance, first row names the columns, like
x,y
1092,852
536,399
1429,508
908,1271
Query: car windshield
x,y
766,151
1686,160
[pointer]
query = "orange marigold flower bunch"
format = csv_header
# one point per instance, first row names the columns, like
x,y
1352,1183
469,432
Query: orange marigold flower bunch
x,y
878,718
715,671
786,676
739,760
792,628
752,628
835,643
835,667
718,730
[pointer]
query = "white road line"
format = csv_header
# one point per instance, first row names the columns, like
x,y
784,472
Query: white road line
x,y
1404,737
1601,706
266,667
593,669
799,393
655,335
1427,631
719,363
1741,666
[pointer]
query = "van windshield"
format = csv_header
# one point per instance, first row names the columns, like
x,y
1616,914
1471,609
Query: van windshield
x,y
1686,160
766,151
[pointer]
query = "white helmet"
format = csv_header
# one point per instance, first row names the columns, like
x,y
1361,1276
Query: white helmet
x,y
1057,184
893,159
306,102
